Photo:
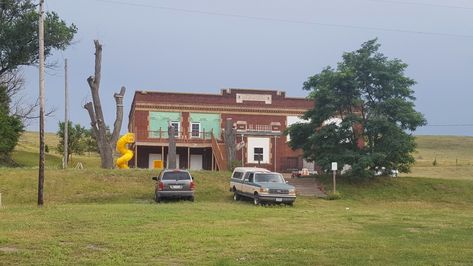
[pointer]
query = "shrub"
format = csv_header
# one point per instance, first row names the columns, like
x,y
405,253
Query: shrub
x,y
333,196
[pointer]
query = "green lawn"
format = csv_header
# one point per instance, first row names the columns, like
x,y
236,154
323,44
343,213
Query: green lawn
x,y
108,217
95,216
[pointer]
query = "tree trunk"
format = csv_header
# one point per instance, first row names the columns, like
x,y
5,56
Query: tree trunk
x,y
97,121
230,141
172,148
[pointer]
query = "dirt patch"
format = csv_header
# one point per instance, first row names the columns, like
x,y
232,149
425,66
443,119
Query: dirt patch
x,y
8,249
95,247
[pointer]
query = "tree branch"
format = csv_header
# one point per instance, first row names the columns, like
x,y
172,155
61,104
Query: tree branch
x,y
117,125
98,63
93,121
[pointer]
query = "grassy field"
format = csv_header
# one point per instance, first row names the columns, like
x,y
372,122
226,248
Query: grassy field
x,y
106,217
453,156
26,153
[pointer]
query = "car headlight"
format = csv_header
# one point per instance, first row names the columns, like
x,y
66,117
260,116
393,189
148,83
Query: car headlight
x,y
292,191
264,190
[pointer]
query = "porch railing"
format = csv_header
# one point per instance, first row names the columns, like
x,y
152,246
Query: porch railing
x,y
162,135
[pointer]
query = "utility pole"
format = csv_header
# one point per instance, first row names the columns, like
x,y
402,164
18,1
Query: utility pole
x,y
41,104
66,119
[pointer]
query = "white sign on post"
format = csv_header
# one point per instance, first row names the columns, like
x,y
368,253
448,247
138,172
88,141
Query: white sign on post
x,y
334,166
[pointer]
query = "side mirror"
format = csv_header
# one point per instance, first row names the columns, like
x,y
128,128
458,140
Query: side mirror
x,y
155,178
247,180
285,181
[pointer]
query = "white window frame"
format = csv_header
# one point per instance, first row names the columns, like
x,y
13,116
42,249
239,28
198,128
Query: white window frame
x,y
258,142
199,131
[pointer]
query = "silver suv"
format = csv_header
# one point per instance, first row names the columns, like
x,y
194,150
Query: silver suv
x,y
174,184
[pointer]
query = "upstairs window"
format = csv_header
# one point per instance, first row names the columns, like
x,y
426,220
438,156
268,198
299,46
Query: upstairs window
x,y
195,130
176,126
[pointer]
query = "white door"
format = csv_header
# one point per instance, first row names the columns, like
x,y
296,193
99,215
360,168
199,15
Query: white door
x,y
152,158
196,162
177,161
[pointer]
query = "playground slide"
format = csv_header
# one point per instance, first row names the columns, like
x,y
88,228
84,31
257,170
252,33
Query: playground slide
x,y
122,147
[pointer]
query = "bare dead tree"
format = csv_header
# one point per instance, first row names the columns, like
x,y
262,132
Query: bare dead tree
x,y
230,140
106,145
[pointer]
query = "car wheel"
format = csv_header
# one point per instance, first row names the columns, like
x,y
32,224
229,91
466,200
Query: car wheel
x,y
290,204
256,200
236,197
157,198
192,199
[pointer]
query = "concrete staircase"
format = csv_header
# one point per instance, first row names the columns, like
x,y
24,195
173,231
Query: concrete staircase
x,y
307,186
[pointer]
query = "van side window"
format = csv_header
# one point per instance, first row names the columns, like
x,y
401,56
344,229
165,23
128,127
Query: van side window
x,y
237,175
250,178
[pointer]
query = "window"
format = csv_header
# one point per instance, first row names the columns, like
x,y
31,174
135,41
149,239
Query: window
x,y
195,130
176,128
237,175
250,178
258,154
178,175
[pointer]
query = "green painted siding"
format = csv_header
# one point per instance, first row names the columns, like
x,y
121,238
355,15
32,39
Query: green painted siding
x,y
160,120
208,122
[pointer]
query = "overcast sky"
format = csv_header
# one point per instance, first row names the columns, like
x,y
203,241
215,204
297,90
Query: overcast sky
x,y
204,45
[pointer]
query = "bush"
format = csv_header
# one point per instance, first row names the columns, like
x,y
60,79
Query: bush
x,y
333,196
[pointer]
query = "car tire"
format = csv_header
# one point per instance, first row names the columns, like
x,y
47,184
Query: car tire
x,y
256,200
236,197
157,198
290,203
192,199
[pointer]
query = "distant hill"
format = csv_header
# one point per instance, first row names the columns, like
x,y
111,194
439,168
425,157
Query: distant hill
x,y
26,153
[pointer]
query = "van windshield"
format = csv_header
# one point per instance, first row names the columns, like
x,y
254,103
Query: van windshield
x,y
275,178
176,176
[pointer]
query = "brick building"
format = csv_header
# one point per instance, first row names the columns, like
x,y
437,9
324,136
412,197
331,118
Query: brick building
x,y
259,116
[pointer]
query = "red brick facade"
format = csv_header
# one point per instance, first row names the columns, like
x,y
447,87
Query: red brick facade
x,y
255,113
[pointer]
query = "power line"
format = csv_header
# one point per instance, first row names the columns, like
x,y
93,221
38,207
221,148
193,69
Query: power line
x,y
420,4
448,125
203,12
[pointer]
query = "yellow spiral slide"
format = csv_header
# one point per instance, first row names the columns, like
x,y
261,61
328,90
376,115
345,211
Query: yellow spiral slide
x,y
122,147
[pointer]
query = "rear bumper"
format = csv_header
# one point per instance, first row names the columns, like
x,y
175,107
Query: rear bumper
x,y
277,198
174,194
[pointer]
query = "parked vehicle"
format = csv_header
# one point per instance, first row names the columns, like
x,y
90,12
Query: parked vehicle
x,y
174,184
261,185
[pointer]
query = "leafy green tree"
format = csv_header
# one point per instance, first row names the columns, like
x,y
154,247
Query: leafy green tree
x,y
90,142
19,47
19,34
374,103
76,139
10,128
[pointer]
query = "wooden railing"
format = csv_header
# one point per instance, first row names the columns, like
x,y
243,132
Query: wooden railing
x,y
181,136
219,155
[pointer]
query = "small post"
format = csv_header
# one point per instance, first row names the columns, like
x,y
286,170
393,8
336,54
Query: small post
x,y
334,169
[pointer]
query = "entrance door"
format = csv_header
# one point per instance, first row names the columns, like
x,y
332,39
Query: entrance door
x,y
152,158
196,162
